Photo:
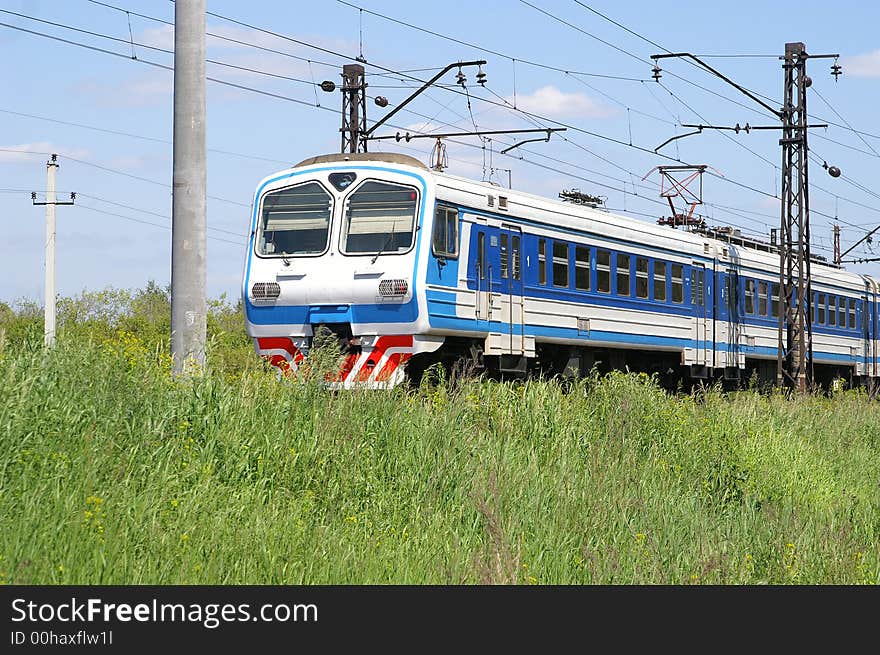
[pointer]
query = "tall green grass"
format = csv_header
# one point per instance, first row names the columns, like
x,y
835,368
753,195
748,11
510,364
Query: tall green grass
x,y
113,472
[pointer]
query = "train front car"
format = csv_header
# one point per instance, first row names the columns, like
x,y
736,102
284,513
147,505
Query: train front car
x,y
335,244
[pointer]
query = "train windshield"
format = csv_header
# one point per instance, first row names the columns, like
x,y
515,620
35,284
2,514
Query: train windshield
x,y
379,219
295,220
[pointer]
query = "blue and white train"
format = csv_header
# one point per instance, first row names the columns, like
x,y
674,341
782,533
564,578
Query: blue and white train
x,y
409,267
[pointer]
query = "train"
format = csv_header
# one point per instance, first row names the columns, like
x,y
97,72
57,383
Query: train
x,y
409,267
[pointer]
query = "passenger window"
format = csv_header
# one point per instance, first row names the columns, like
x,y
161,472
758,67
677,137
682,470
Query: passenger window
x,y
623,275
762,298
379,218
481,255
542,261
677,283
852,313
842,313
660,281
750,296
445,241
295,221
503,256
560,264
582,268
603,271
820,309
774,299
832,311
641,277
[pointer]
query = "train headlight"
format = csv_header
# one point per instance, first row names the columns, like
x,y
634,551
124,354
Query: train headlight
x,y
393,288
265,290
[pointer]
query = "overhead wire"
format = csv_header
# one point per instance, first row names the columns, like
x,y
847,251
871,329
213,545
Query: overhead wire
x,y
338,54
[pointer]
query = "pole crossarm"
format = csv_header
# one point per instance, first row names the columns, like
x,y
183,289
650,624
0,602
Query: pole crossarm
x,y
860,241
400,106
407,136
717,73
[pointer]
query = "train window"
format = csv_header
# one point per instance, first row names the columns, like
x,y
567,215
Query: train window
x,y
560,264
820,308
603,271
379,219
832,311
582,268
445,232
542,261
515,257
660,281
295,221
852,313
698,291
842,313
481,255
750,296
677,283
641,277
774,299
503,256
762,298
623,275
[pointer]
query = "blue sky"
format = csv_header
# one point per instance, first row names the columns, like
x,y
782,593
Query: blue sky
x,y
109,117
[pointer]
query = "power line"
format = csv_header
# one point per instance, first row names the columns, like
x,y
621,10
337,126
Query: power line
x,y
113,170
528,114
837,113
216,36
132,135
483,48
151,213
143,222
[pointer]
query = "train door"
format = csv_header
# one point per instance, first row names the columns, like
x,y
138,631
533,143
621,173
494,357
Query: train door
x,y
482,275
868,318
721,313
734,317
875,337
701,332
511,291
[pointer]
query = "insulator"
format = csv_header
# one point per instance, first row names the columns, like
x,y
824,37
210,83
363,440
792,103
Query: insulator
x,y
328,86
656,73
481,78
460,77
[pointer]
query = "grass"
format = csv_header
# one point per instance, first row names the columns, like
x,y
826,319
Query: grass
x,y
113,473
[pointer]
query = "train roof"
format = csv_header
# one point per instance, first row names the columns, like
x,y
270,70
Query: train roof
x,y
747,248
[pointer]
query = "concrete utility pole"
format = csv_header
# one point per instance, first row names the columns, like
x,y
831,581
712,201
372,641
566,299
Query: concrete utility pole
x,y
49,308
188,214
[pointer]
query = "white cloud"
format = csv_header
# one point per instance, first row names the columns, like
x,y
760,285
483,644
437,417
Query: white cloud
x,y
28,151
866,65
158,37
550,101
151,89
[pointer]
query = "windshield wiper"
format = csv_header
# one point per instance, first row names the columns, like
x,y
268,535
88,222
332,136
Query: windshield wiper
x,y
387,243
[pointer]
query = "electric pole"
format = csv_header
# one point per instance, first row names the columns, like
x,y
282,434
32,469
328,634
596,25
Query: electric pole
x,y
837,244
794,360
354,108
188,215
51,202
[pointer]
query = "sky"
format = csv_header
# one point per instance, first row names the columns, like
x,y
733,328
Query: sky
x,y
580,64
